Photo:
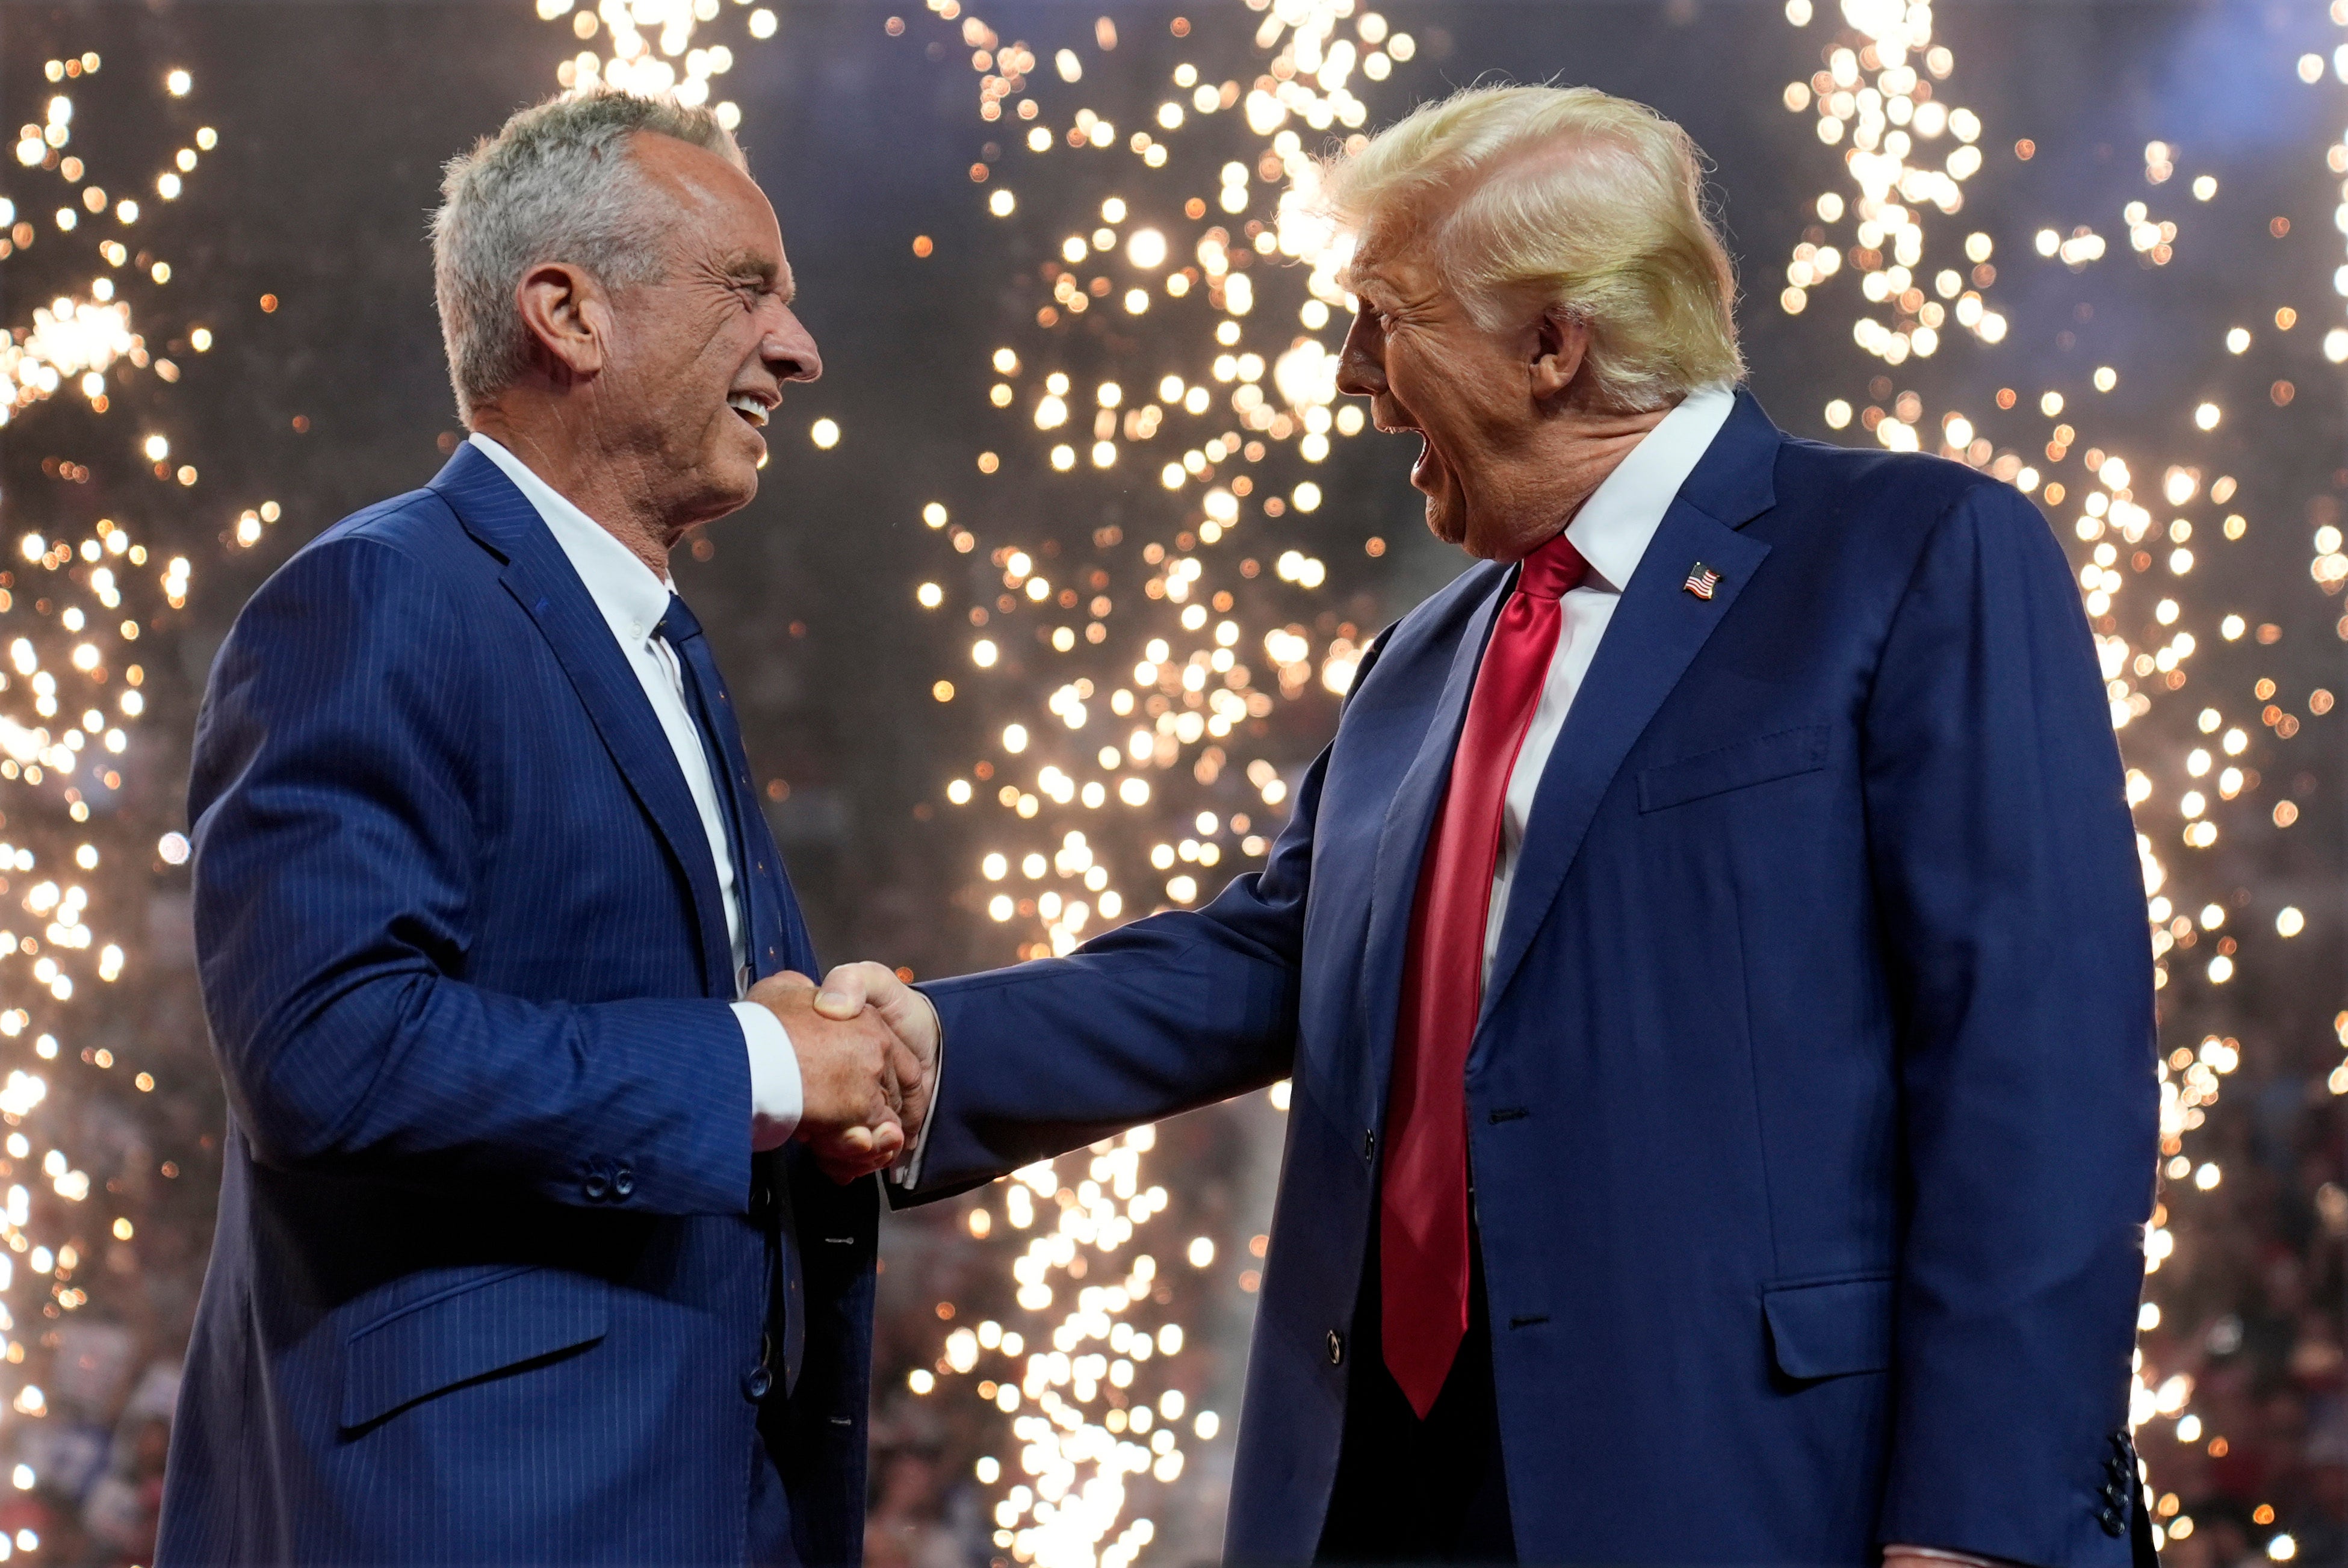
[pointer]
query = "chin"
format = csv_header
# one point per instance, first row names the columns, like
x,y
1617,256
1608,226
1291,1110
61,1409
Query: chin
x,y
735,473
1443,519
737,491
727,486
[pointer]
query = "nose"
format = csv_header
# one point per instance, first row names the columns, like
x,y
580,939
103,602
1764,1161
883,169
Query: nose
x,y
1360,367
790,351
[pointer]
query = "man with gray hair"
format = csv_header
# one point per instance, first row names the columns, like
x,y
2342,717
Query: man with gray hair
x,y
547,1220
1710,958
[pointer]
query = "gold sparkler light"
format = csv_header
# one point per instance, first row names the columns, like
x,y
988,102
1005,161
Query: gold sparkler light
x,y
74,596
2139,526
1126,676
646,46
76,341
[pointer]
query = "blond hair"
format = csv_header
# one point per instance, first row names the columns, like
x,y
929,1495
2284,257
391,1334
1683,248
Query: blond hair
x,y
1566,199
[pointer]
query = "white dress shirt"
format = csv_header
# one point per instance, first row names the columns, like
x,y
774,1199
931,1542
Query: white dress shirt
x,y
631,600
1611,530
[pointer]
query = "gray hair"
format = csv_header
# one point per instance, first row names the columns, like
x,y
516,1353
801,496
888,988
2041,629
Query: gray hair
x,y
554,185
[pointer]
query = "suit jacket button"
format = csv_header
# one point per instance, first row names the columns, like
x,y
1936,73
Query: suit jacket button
x,y
623,1183
596,1186
758,1383
2114,1522
1369,1145
1336,1348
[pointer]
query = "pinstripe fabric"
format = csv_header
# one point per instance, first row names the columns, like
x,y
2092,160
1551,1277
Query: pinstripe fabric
x,y
495,1264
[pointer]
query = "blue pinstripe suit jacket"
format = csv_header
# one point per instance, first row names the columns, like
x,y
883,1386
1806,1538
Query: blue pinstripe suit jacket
x,y
496,1269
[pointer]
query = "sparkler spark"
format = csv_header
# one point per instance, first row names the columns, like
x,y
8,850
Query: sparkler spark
x,y
646,46
73,600
1222,408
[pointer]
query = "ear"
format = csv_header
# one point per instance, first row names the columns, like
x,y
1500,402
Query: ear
x,y
569,319
1560,343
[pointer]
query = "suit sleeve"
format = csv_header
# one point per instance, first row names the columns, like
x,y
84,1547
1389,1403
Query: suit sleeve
x,y
2011,905
1173,1012
337,840
1170,1013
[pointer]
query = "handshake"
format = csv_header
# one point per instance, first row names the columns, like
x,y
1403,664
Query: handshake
x,y
867,1044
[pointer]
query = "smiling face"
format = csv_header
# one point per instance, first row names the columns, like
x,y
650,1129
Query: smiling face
x,y
1472,394
697,358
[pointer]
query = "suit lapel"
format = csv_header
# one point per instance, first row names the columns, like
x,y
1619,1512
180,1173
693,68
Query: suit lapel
x,y
541,578
1655,633
1410,818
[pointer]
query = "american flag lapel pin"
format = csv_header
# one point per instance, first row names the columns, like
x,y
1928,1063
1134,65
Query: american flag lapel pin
x,y
1701,581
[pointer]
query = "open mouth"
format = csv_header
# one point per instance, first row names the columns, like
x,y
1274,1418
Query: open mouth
x,y
1422,472
749,408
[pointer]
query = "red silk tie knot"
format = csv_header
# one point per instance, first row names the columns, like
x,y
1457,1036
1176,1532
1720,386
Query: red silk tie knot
x,y
1553,571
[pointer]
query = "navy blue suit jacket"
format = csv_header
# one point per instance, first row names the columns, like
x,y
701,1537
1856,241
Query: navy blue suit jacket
x,y
1812,1103
496,1266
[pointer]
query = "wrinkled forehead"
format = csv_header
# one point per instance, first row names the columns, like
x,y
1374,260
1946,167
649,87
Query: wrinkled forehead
x,y
714,205
1381,243
1392,249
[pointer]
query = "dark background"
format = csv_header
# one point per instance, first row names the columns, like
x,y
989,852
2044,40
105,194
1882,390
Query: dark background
x,y
334,118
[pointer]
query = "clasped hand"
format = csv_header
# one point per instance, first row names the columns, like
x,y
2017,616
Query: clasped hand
x,y
866,1045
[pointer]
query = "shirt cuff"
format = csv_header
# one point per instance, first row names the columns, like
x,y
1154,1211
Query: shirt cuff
x,y
777,1096
1941,1554
907,1173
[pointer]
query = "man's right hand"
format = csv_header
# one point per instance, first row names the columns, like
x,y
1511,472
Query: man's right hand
x,y
853,1100
851,988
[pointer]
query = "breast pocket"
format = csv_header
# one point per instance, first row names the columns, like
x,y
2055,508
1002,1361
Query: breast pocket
x,y
1783,755
1829,1327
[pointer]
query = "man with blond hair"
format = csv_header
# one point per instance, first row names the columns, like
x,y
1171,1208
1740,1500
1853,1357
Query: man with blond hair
x,y
1710,957
546,1225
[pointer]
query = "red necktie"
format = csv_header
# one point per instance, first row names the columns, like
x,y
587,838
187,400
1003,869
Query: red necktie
x,y
1423,1204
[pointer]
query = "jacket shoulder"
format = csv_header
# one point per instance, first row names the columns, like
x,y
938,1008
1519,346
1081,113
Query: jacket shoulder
x,y
420,524
395,563
1859,481
416,539
1884,508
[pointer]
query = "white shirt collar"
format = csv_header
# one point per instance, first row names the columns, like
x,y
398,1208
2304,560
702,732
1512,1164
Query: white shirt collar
x,y
1621,517
632,598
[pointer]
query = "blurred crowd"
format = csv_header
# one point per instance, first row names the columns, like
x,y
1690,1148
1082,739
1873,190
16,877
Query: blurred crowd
x,y
2251,1306
101,1323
